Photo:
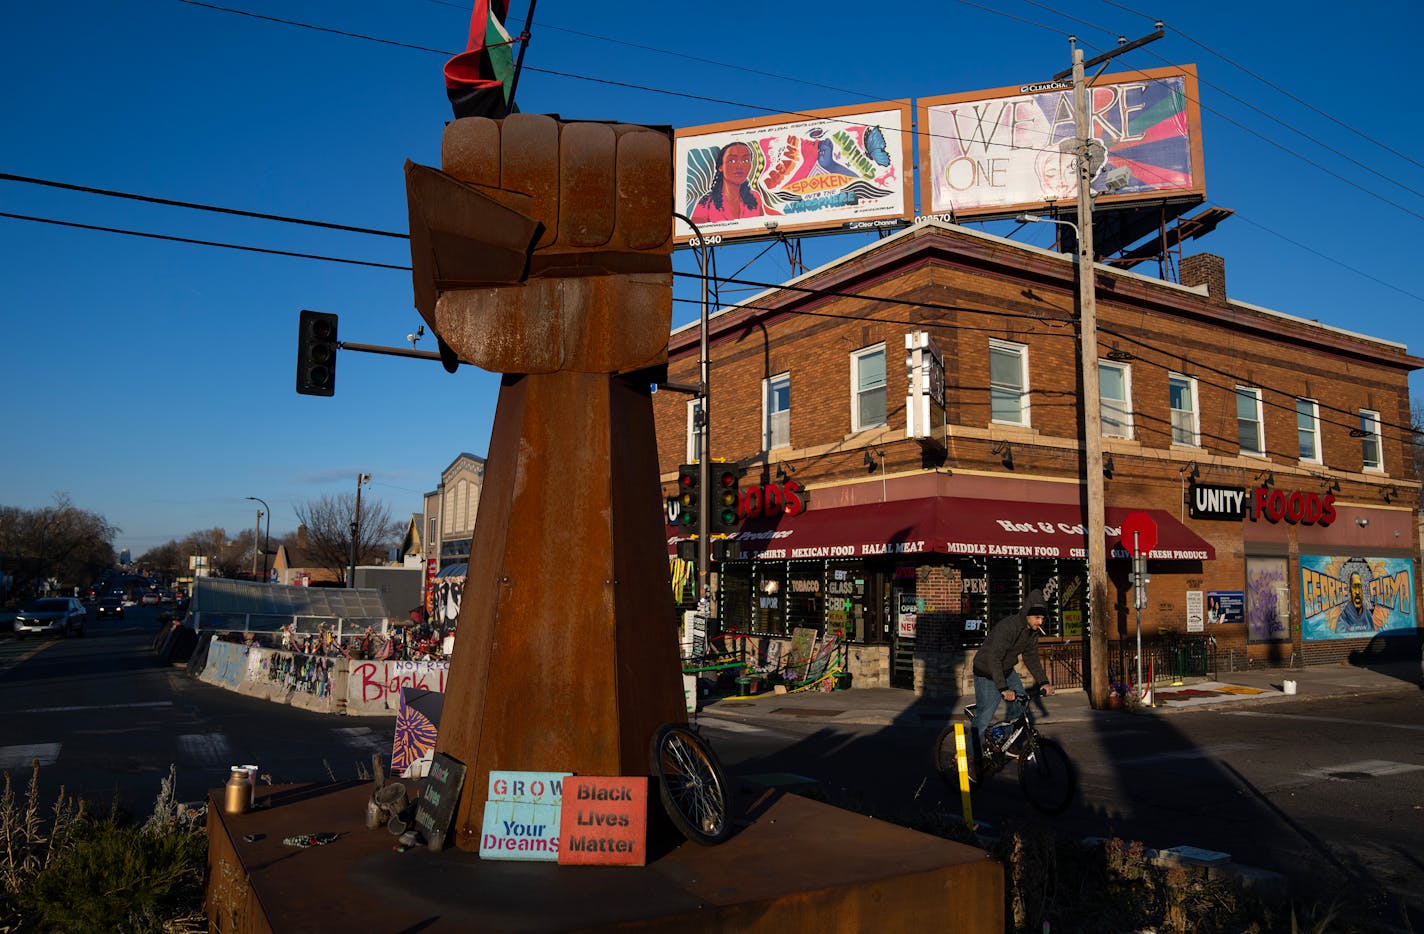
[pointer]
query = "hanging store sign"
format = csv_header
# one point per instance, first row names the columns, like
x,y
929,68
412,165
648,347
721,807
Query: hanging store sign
x,y
924,406
1292,506
771,499
1207,501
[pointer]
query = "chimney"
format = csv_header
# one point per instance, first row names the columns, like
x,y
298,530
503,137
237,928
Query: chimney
x,y
302,537
1206,269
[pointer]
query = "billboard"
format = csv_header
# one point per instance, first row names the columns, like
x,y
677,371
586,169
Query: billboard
x,y
837,169
1354,597
1000,152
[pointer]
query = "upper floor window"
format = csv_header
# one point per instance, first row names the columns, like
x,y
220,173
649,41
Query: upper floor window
x,y
1182,398
1249,428
1371,453
1008,382
694,435
776,427
1115,393
1307,429
867,387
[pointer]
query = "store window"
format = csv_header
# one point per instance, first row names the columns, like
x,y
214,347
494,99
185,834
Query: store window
x,y
1249,431
1115,392
1182,397
769,600
1008,383
694,435
867,386
1371,454
776,429
1307,424
804,606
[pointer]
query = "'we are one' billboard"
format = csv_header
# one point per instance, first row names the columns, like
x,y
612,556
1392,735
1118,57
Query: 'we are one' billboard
x,y
997,153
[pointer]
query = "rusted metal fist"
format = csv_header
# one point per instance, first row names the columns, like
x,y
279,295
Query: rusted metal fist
x,y
545,246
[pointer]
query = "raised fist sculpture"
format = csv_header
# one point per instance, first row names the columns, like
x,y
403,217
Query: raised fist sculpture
x,y
546,246
542,251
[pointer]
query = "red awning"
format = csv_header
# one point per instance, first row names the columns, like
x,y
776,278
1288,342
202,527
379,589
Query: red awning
x,y
953,525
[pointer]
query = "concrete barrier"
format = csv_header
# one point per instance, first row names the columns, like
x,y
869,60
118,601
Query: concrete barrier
x,y
326,684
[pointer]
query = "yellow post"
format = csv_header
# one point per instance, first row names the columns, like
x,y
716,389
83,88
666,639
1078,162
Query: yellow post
x,y
961,757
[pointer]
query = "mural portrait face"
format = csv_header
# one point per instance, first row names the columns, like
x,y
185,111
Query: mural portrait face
x,y
736,163
1357,591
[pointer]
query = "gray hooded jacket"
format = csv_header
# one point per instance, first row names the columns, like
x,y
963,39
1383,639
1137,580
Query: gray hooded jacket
x,y
1009,638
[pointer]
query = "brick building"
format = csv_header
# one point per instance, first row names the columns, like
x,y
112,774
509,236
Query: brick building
x,y
1273,453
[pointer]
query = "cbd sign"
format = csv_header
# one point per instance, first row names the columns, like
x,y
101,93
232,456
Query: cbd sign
x,y
773,499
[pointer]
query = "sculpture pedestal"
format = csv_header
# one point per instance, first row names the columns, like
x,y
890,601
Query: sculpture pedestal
x,y
799,866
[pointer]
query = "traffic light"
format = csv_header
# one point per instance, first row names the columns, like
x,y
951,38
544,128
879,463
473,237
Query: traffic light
x,y
316,354
724,503
687,493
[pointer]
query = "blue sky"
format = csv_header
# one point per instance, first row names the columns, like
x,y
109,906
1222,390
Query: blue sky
x,y
152,381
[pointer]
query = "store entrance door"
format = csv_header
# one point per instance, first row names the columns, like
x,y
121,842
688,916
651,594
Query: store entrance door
x,y
903,616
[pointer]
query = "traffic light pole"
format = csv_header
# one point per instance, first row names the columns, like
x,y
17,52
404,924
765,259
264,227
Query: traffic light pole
x,y
704,436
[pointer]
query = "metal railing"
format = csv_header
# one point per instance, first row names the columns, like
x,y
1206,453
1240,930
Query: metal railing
x,y
1170,658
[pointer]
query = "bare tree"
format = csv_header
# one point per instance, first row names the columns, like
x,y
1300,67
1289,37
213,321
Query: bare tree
x,y
1416,439
329,522
60,544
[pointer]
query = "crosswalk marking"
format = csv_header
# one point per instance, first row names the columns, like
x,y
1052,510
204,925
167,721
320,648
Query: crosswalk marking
x,y
1374,768
205,748
362,737
1205,752
165,703
731,726
19,757
1372,724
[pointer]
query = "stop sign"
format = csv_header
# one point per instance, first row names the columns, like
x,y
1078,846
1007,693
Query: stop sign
x,y
1145,538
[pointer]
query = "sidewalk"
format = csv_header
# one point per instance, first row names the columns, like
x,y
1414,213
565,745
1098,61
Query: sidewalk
x,y
898,707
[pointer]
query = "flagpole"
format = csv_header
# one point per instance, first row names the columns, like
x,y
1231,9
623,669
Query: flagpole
x,y
519,61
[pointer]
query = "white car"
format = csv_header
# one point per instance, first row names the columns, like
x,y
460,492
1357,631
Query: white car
x,y
62,615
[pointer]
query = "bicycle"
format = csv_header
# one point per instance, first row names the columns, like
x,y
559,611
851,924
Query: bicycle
x,y
1046,775
692,784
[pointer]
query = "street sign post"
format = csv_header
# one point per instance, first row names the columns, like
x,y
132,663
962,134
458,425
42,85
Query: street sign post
x,y
1139,534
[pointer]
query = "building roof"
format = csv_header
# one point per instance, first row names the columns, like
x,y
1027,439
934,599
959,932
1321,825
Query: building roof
x,y
221,596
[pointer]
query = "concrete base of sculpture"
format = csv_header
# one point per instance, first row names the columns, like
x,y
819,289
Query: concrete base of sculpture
x,y
796,865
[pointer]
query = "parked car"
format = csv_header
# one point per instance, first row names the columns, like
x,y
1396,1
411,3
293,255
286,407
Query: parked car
x,y
63,615
149,598
110,605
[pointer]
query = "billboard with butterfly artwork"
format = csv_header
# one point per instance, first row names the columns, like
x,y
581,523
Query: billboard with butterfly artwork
x,y
825,169
997,153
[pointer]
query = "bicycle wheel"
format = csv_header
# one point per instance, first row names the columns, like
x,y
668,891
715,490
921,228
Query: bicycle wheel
x,y
691,783
944,756
1046,775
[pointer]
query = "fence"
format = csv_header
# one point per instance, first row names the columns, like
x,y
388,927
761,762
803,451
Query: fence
x,y
1170,658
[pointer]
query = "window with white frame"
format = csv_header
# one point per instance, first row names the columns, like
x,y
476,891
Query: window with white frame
x,y
1008,382
1371,453
1182,399
1115,393
694,436
1249,428
867,388
1307,429
776,427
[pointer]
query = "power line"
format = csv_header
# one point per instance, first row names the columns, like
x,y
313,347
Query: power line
x,y
150,199
213,243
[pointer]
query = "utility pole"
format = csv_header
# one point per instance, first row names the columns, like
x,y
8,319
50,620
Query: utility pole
x,y
356,528
256,537
1092,398
704,438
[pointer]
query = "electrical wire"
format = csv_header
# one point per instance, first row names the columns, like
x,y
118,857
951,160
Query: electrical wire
x,y
150,199
212,243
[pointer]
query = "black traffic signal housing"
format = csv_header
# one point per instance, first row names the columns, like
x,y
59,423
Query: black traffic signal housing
x,y
725,482
687,496
316,354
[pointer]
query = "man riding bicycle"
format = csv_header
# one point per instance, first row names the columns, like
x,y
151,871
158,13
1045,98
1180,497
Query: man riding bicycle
x,y
994,676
